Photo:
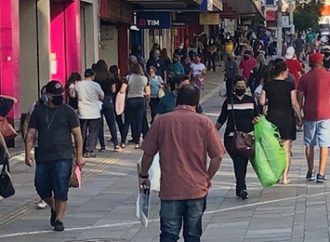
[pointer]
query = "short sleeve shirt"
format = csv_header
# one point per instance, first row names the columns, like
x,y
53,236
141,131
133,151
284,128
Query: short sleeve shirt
x,y
136,85
197,69
183,140
89,105
315,86
54,127
278,93
294,67
247,66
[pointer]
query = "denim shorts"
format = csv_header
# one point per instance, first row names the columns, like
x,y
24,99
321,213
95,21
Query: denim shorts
x,y
53,178
317,133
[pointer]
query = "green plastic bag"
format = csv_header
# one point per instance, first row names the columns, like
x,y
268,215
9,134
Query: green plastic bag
x,y
268,136
262,168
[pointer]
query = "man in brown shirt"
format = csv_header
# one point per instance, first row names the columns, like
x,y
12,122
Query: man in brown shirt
x,y
183,139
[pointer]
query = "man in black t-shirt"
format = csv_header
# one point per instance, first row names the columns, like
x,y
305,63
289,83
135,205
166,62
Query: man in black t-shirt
x,y
55,122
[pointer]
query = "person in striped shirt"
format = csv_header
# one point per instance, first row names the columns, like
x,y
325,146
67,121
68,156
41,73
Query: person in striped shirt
x,y
243,108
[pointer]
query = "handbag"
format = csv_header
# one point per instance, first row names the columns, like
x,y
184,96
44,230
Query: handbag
x,y
242,142
6,185
75,178
161,92
120,103
6,129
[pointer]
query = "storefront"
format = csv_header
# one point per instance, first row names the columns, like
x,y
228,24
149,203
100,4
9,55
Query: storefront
x,y
43,40
116,19
155,27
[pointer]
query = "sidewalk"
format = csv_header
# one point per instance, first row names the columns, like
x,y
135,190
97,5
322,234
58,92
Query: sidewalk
x,y
16,209
104,208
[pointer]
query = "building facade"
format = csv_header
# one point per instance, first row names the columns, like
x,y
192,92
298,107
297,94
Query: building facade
x,y
42,40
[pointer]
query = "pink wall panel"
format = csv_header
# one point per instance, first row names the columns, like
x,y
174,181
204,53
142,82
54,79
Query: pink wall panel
x,y
9,51
65,38
73,53
57,46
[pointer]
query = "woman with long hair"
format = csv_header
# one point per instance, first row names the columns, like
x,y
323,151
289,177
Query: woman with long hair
x,y
283,109
136,88
70,91
115,71
156,83
107,83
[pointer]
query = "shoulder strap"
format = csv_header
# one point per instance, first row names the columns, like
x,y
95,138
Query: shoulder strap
x,y
232,110
6,165
159,81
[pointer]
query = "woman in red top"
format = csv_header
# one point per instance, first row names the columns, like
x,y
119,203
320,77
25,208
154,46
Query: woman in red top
x,y
294,66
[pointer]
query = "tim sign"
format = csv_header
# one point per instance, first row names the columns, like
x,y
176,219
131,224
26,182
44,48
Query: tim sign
x,y
153,20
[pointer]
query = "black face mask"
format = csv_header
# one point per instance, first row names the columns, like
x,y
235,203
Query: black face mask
x,y
246,57
57,100
240,92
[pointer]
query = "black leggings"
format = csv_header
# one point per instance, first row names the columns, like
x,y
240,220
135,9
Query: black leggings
x,y
240,165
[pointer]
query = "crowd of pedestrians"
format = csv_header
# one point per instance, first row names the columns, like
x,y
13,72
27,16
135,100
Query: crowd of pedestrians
x,y
256,84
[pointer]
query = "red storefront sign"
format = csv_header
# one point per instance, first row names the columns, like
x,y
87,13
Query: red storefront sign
x,y
117,11
271,15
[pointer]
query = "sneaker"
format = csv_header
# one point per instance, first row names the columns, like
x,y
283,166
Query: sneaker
x,y
243,194
41,204
52,217
311,176
102,149
89,155
320,178
92,155
58,226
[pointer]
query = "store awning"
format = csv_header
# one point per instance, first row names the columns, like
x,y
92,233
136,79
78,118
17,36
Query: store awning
x,y
162,4
246,7
172,4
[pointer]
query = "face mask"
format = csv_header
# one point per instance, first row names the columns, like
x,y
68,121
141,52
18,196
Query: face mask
x,y
57,100
44,98
240,92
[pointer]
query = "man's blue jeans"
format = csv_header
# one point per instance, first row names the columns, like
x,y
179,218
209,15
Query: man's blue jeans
x,y
188,212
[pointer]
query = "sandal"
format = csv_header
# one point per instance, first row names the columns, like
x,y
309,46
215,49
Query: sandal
x,y
117,148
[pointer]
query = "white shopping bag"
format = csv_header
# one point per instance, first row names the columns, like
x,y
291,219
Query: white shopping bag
x,y
154,173
142,201
223,89
143,206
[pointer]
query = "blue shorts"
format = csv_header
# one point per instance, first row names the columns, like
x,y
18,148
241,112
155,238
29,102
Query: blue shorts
x,y
53,178
317,133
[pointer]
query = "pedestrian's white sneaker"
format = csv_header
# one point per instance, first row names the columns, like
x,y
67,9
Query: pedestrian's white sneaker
x,y
41,204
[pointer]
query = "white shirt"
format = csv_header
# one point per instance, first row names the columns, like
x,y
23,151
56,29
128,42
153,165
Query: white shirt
x,y
89,93
198,69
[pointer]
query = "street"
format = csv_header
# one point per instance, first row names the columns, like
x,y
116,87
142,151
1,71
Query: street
x,y
104,208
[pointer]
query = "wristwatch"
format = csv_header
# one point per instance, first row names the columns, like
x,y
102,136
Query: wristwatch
x,y
143,176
